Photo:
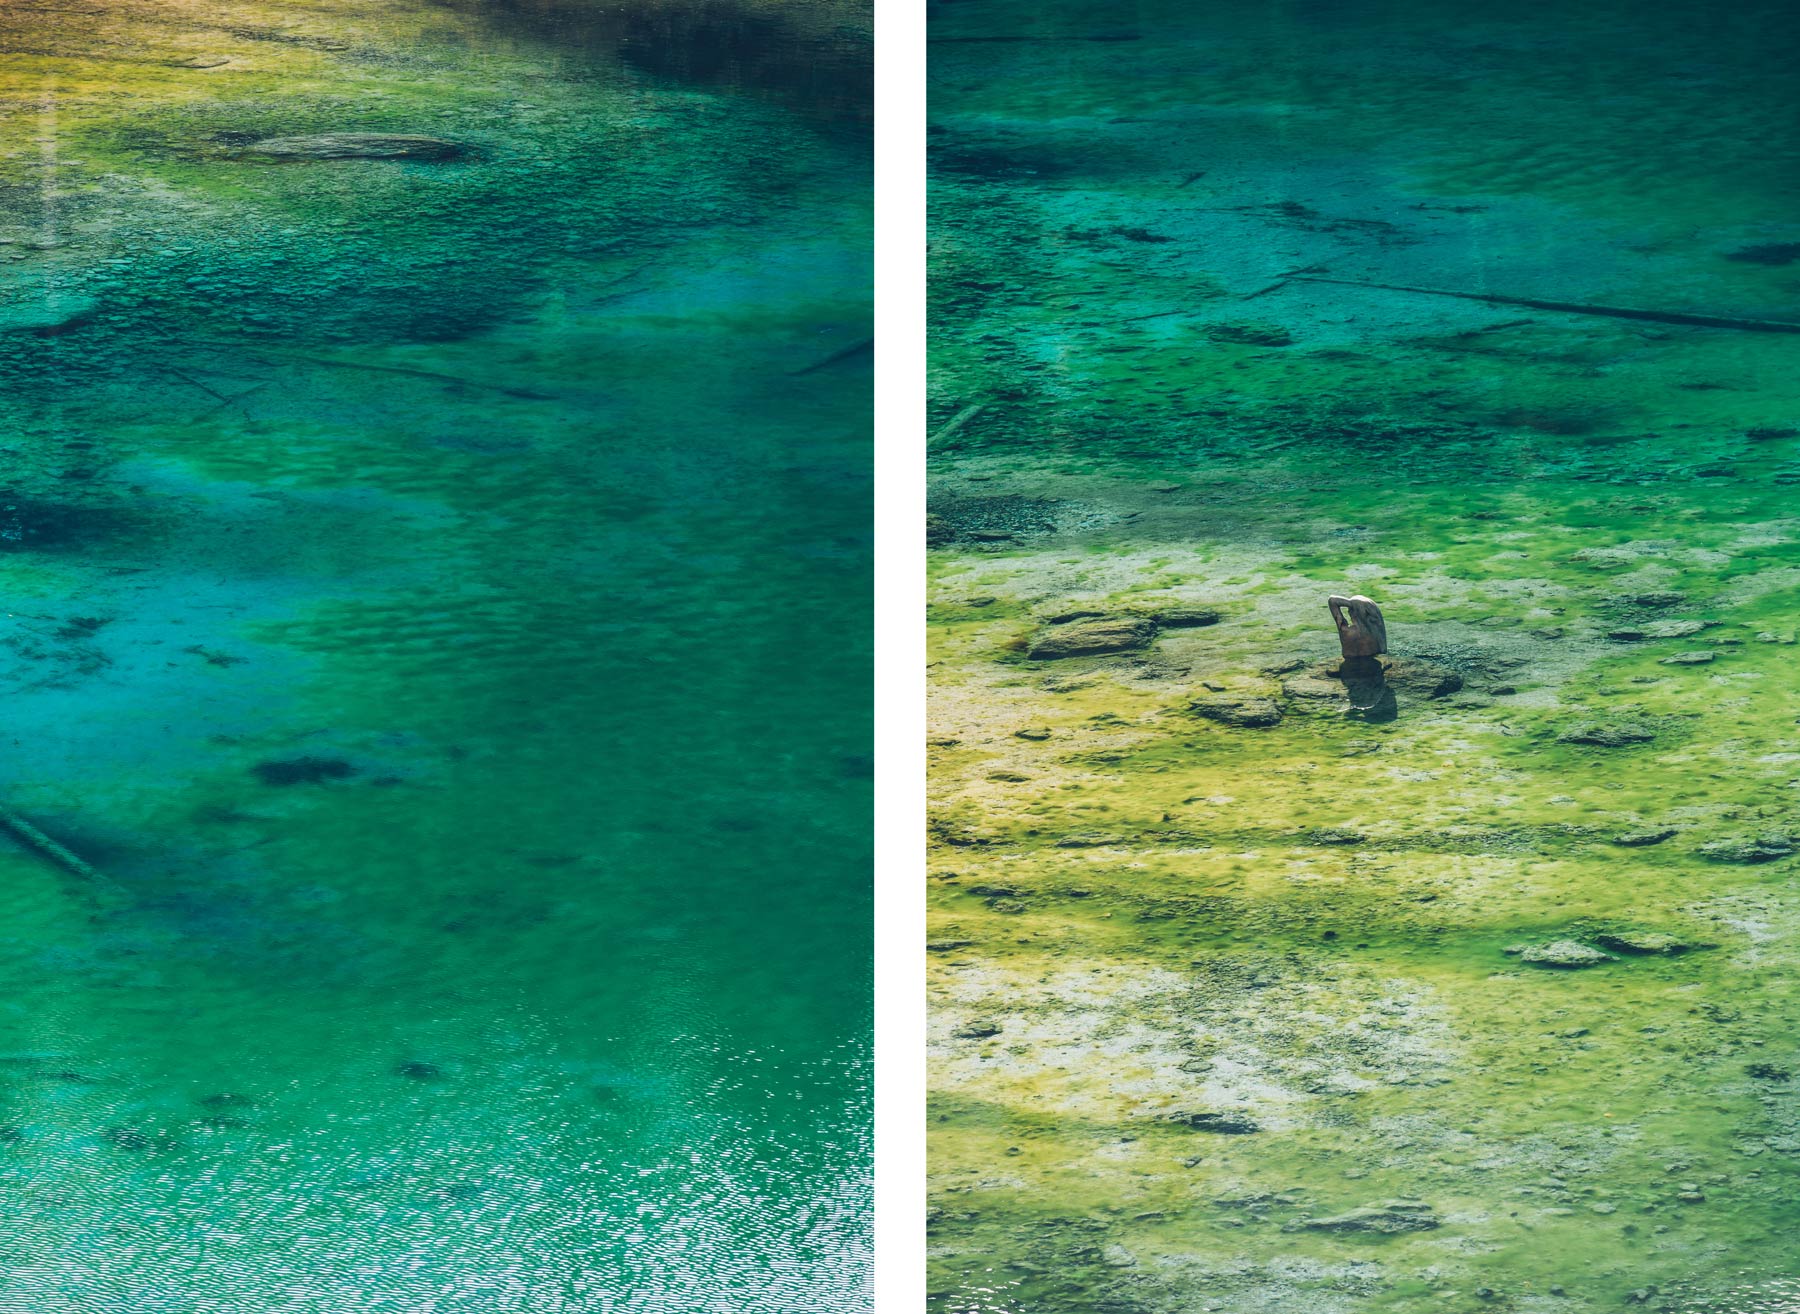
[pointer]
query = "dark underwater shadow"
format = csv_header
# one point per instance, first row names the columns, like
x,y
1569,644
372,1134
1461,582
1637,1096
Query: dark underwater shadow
x,y
1371,697
813,58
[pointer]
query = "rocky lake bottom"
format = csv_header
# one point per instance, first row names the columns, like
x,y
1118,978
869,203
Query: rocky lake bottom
x,y
1255,988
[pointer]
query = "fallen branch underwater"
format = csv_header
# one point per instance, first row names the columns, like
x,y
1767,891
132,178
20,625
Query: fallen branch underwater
x,y
957,421
865,347
1571,307
273,355
529,394
48,849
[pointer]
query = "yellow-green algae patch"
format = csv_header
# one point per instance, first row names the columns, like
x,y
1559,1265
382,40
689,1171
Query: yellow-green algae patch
x,y
1244,999
1150,882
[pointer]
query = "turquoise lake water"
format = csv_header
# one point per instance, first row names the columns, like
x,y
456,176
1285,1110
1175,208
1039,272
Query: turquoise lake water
x,y
437,602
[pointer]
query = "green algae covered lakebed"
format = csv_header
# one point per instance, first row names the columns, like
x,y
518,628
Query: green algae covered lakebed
x,y
435,582
1243,1000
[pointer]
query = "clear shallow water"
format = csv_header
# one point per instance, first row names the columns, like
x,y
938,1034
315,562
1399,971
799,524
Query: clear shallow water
x,y
1148,905
502,496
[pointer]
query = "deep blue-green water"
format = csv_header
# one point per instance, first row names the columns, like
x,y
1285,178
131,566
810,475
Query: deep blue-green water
x,y
437,602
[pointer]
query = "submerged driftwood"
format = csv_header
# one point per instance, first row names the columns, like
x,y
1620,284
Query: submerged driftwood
x,y
354,146
528,394
863,348
1571,307
48,849
958,420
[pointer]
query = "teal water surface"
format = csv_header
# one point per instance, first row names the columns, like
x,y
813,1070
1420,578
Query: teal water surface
x,y
436,603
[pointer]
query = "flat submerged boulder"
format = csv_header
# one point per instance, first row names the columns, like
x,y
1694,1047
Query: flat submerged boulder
x,y
1317,687
1388,1217
1564,954
1642,942
1185,618
1242,712
1676,629
1092,638
48,314
1749,849
1423,679
354,146
1220,1124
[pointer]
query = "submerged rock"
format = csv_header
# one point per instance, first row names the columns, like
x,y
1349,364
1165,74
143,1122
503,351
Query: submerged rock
x,y
129,1138
995,519
226,1100
1615,734
355,146
1313,686
1423,678
33,522
1251,335
1388,1217
1089,840
1643,942
1092,638
1767,253
303,770
47,315
1185,618
1643,839
1749,848
1223,1124
1560,954
1675,629
1687,659
1247,713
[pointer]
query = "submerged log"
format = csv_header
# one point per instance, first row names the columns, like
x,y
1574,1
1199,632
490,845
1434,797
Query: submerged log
x,y
528,394
354,146
1571,307
48,849
958,420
